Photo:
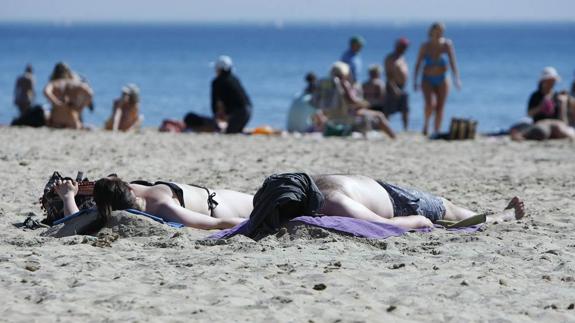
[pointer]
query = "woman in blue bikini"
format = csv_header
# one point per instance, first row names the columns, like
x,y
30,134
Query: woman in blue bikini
x,y
434,83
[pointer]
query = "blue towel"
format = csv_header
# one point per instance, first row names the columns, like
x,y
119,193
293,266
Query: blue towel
x,y
138,212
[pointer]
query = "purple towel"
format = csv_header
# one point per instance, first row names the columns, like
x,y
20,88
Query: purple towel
x,y
351,226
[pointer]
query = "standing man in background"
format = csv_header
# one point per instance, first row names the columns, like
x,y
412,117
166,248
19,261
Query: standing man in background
x,y
352,58
396,74
24,93
230,102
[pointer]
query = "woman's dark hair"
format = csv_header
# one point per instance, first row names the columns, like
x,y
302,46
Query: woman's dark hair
x,y
61,71
110,194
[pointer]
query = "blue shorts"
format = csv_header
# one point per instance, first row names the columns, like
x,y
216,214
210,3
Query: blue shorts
x,y
407,201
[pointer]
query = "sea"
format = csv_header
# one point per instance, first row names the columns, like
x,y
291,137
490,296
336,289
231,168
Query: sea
x,y
171,63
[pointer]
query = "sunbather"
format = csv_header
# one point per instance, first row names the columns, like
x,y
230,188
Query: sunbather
x,y
193,206
362,197
283,197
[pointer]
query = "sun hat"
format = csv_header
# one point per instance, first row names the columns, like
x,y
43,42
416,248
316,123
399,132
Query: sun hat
x,y
549,73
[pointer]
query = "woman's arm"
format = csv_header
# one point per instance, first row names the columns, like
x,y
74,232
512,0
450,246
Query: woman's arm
x,y
417,67
67,190
173,212
49,93
453,63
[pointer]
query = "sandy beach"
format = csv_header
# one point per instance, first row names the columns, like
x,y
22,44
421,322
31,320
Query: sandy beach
x,y
523,271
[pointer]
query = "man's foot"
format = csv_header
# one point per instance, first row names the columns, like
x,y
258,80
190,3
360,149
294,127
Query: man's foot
x,y
515,210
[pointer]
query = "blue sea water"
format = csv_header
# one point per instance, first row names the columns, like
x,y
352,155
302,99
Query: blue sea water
x,y
499,64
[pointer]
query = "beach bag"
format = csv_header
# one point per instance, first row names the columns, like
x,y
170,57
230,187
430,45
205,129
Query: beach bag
x,y
53,205
462,129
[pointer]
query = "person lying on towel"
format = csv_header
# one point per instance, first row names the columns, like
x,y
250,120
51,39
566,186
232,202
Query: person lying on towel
x,y
283,197
190,205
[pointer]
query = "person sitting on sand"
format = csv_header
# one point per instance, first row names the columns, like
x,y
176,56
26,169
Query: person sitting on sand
x,y
190,205
338,103
230,102
545,103
68,96
374,88
126,110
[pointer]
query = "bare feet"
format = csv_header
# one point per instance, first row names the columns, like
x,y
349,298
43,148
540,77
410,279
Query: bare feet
x,y
515,210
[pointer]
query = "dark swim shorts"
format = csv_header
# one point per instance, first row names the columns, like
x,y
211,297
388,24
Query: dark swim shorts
x,y
413,202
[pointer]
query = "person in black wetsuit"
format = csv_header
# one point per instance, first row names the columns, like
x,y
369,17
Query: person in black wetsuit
x,y
230,101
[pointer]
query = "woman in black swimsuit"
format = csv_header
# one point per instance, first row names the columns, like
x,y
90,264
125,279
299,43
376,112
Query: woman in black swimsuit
x,y
193,206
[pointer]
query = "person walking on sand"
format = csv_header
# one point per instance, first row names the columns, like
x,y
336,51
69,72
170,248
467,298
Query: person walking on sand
x,y
230,102
434,82
396,74
352,58
24,93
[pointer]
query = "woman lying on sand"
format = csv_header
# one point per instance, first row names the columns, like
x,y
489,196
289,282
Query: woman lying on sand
x,y
362,197
193,206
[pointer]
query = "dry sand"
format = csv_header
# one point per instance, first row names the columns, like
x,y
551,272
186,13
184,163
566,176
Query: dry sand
x,y
516,272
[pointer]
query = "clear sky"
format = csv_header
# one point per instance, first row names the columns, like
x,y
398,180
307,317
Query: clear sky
x,y
278,11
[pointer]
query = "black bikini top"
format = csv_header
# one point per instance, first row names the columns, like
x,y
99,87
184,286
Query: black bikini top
x,y
212,203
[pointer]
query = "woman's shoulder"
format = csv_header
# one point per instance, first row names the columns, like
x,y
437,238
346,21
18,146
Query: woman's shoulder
x,y
446,42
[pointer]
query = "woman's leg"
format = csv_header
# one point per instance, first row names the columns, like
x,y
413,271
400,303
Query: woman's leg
x,y
428,96
441,93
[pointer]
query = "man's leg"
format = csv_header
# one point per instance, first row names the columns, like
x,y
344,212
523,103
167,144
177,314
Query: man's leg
x,y
404,104
515,210
339,204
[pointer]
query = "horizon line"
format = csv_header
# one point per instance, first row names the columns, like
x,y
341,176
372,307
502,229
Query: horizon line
x,y
280,22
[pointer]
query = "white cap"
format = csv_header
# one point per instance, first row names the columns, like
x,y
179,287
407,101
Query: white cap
x,y
224,63
549,73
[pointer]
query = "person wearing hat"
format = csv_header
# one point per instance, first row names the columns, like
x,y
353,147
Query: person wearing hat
x,y
545,103
230,102
352,58
126,111
396,75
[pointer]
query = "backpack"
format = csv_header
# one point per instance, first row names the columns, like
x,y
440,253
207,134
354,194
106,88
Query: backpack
x,y
53,205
